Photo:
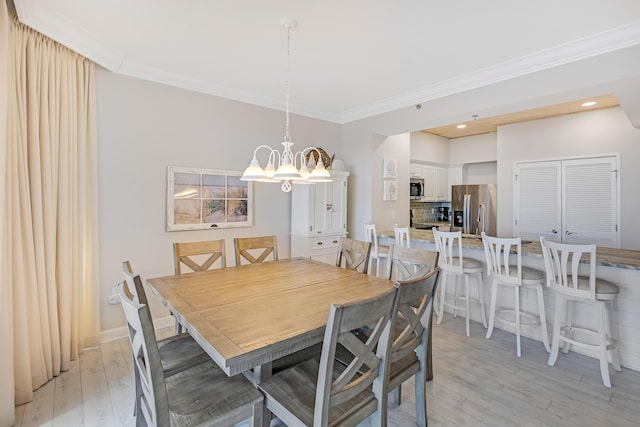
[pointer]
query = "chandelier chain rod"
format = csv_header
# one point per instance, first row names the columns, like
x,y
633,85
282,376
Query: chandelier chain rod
x,y
287,90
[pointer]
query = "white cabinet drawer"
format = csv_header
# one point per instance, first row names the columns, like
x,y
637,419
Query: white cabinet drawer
x,y
326,242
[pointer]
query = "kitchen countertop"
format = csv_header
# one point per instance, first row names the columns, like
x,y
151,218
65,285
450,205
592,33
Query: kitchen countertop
x,y
431,223
608,257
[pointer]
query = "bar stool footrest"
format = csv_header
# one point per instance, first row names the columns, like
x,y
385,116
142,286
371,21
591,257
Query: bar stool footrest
x,y
508,315
611,342
450,302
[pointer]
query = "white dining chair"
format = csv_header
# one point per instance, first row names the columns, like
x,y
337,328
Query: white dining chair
x,y
255,249
377,252
401,235
177,352
405,263
354,255
562,263
198,395
504,274
198,256
324,392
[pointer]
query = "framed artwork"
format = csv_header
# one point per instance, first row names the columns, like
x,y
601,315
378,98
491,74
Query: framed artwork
x,y
390,168
390,190
207,198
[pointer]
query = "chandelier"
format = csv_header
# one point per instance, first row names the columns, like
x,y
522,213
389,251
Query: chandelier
x,y
283,166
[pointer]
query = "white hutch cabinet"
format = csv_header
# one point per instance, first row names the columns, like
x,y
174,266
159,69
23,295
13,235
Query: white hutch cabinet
x,y
319,218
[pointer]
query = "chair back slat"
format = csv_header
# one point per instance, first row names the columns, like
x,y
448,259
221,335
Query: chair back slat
x,y
134,283
255,249
371,236
374,354
562,264
199,256
450,258
498,251
354,254
401,235
405,263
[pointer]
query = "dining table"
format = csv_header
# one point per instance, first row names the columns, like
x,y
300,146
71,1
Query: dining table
x,y
246,317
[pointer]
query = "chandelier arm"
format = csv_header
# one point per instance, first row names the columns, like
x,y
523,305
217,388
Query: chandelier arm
x,y
272,155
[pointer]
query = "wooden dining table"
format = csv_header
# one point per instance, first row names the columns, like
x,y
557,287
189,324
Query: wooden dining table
x,y
245,317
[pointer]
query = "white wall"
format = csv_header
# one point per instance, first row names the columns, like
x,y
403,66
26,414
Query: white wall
x,y
473,149
429,148
387,213
596,132
144,127
480,173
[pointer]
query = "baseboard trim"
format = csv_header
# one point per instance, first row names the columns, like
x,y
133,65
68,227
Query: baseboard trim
x,y
122,332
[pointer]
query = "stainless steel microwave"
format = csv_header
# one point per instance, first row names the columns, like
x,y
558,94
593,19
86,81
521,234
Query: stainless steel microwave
x,y
416,189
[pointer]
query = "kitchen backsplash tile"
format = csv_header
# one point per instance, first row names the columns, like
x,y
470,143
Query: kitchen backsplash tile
x,y
427,211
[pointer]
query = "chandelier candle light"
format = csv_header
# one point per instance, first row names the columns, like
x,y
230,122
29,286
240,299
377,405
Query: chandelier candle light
x,y
286,162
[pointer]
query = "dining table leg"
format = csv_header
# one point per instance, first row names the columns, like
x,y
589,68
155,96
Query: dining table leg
x,y
256,376
429,362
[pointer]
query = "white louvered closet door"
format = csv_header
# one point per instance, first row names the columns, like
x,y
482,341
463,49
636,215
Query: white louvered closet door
x,y
568,201
538,201
589,213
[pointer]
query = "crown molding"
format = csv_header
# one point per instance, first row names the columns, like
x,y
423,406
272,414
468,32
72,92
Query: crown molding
x,y
142,71
51,24
47,21
587,47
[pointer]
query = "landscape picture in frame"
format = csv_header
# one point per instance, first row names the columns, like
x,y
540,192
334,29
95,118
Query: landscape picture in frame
x,y
207,198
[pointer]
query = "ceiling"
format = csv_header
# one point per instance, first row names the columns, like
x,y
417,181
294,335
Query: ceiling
x,y
349,59
478,125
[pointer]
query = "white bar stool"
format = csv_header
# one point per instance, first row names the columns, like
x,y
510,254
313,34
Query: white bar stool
x,y
377,252
561,262
497,251
402,236
455,265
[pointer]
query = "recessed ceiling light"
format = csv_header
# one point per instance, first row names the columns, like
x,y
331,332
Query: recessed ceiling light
x,y
461,126
589,104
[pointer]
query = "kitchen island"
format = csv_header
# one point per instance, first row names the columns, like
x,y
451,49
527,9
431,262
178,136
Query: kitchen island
x,y
620,266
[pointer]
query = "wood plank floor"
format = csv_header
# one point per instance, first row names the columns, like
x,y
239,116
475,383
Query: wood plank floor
x,y
478,382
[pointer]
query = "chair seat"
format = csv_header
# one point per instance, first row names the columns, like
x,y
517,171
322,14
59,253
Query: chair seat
x,y
401,369
469,265
605,290
295,389
530,276
180,352
204,392
296,358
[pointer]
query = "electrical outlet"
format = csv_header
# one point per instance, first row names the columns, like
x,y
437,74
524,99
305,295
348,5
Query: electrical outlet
x,y
114,298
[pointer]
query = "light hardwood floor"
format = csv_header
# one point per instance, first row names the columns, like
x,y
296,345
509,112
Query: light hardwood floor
x,y
478,382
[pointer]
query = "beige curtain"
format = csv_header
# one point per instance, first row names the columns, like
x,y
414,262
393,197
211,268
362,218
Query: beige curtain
x,y
48,288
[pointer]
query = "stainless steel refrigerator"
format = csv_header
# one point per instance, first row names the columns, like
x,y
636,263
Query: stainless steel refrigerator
x,y
474,208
